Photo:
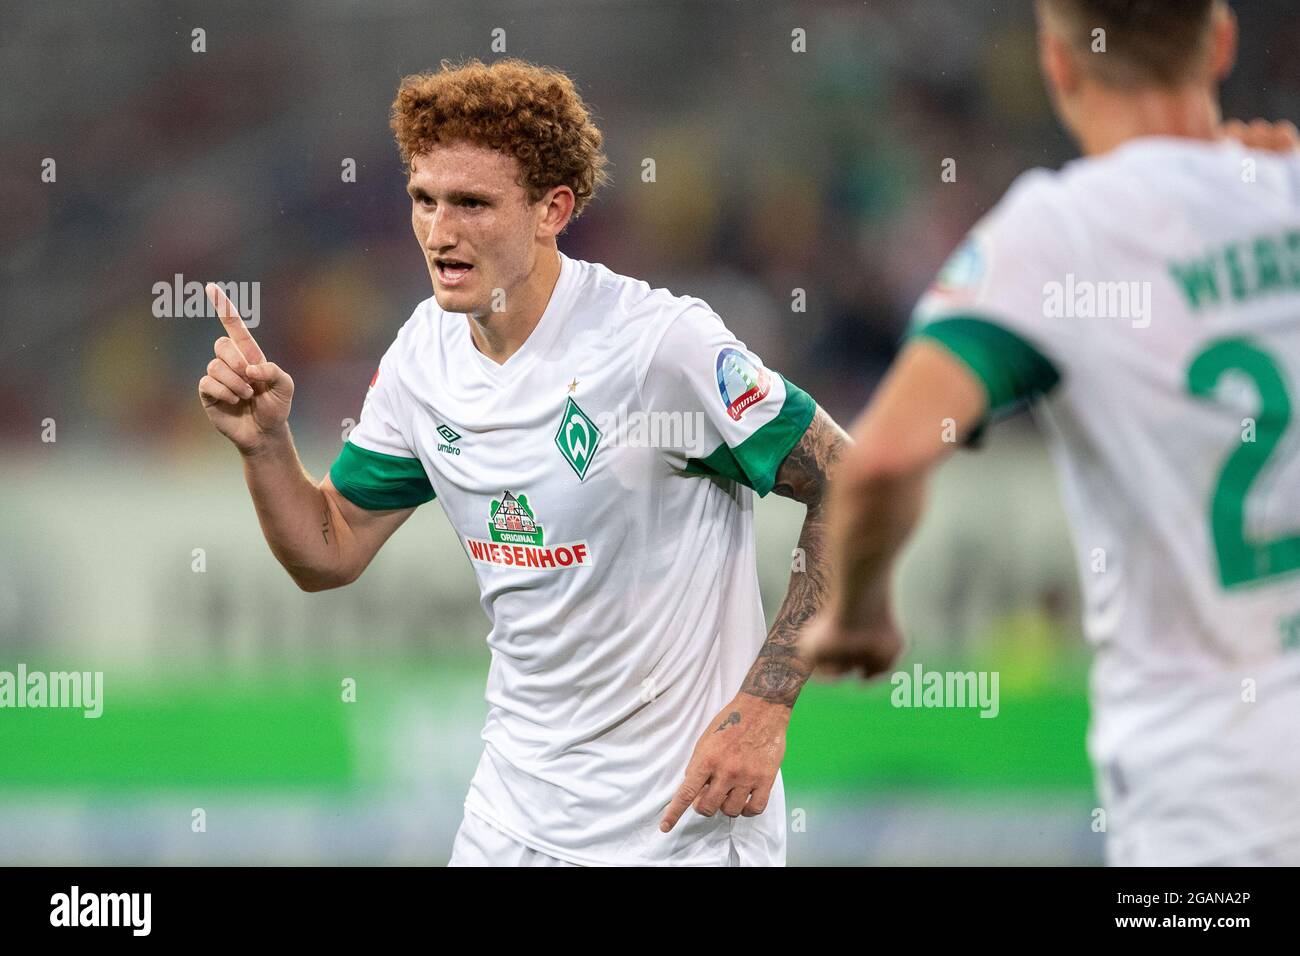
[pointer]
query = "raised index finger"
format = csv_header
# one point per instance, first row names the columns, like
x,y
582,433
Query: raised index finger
x,y
234,325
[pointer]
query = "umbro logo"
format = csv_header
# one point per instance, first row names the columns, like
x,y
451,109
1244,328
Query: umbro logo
x,y
451,436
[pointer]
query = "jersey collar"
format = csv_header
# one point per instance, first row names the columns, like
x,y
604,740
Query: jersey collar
x,y
542,334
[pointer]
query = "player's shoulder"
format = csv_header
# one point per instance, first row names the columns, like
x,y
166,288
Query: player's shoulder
x,y
1029,206
408,351
635,311
418,332
659,328
1148,175
1039,197
1028,231
631,299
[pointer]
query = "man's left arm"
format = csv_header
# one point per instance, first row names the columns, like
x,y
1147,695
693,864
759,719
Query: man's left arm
x,y
735,762
779,672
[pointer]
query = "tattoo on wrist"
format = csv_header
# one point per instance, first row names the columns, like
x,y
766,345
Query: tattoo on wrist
x,y
777,676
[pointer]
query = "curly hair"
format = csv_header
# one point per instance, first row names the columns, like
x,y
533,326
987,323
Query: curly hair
x,y
529,112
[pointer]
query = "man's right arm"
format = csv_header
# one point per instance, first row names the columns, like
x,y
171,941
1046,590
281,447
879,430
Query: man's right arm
x,y
323,540
320,537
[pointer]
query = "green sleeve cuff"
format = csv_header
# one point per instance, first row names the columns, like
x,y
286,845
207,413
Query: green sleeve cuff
x,y
756,460
379,482
1011,370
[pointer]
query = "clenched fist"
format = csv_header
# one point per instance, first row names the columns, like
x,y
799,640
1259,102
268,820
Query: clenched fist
x,y
246,397
865,651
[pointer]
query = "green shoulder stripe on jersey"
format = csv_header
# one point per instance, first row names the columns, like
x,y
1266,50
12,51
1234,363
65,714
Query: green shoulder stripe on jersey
x,y
755,461
379,482
1012,370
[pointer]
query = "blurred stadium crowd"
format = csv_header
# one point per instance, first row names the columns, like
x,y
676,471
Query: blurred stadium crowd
x,y
774,171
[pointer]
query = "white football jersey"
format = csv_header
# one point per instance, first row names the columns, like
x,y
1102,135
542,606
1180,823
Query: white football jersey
x,y
600,482
1151,298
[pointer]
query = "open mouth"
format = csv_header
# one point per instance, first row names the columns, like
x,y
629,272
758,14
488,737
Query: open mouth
x,y
452,271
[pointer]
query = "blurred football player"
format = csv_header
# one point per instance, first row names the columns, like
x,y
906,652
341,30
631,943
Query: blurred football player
x,y
1145,300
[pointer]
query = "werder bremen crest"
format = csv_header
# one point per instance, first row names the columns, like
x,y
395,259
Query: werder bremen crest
x,y
577,438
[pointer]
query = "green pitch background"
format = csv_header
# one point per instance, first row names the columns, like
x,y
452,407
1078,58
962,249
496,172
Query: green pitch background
x,y
295,733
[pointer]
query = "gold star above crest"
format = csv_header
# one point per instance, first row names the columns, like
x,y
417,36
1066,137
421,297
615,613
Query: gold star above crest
x,y
573,386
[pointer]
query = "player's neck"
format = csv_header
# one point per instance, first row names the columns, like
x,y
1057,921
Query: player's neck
x,y
1112,118
499,335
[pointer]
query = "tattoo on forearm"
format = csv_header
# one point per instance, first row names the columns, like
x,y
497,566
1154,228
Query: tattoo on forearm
x,y
804,473
779,673
731,718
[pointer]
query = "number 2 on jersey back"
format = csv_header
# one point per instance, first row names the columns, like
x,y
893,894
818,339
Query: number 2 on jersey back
x,y
1244,561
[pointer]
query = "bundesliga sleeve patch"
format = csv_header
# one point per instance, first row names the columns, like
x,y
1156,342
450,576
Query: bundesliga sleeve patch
x,y
964,270
740,382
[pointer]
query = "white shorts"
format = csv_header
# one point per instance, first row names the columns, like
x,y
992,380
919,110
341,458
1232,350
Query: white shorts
x,y
1281,850
479,843
1195,775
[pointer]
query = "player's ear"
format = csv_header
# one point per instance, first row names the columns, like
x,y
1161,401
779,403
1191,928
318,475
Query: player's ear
x,y
556,211
1057,60
1223,42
